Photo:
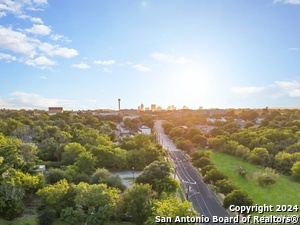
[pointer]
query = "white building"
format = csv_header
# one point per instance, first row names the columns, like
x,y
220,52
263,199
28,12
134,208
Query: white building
x,y
144,130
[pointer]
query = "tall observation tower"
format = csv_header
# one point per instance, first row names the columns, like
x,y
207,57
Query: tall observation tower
x,y
119,104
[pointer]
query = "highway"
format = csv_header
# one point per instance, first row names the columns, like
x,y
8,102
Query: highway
x,y
203,199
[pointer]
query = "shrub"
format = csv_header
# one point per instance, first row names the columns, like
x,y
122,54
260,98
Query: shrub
x,y
56,175
213,176
266,178
46,216
202,162
207,168
225,186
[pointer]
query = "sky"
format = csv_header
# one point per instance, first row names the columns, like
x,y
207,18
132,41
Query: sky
x,y
196,53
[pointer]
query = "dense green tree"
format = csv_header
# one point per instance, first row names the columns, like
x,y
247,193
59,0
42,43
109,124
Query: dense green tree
x,y
71,153
11,201
46,216
171,207
248,114
296,171
216,131
94,204
157,174
29,183
202,162
24,133
86,163
199,140
102,175
176,132
243,152
225,186
231,127
142,141
11,158
216,142
136,203
55,175
293,148
184,145
192,132
259,156
57,196
207,168
248,124
230,147
167,127
199,154
237,198
47,149
213,176
284,162
29,152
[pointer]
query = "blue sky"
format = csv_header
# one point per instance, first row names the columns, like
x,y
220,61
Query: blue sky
x,y
209,53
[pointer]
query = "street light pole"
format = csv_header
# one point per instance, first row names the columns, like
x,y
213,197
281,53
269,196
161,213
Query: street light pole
x,y
133,175
188,192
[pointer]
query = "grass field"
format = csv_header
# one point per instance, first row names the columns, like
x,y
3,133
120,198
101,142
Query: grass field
x,y
283,192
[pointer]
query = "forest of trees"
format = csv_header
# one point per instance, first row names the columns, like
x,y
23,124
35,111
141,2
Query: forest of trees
x,y
274,143
79,153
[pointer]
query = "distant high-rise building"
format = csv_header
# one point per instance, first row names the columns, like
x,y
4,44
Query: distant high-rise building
x,y
153,107
142,106
119,104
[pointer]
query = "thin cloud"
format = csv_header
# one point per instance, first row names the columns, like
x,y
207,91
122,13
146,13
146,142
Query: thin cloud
x,y
106,70
81,66
161,57
2,14
292,2
141,68
20,43
294,49
16,42
92,100
41,62
56,50
25,45
36,20
39,29
105,62
7,57
21,7
289,89
43,77
23,100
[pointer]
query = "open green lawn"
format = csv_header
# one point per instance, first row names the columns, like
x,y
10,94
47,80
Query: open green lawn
x,y
284,192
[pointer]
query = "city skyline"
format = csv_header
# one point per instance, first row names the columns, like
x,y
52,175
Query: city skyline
x,y
88,54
